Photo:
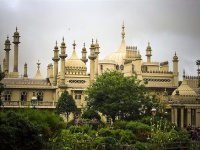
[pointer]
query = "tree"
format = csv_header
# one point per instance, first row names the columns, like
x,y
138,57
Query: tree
x,y
66,104
2,75
91,114
17,132
115,95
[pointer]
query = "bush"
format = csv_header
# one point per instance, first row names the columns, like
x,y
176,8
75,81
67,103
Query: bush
x,y
120,124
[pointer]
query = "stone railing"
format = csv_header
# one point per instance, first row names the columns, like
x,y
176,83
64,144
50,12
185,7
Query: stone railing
x,y
22,104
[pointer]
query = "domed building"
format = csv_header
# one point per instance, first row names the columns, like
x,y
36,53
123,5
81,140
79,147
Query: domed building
x,y
71,74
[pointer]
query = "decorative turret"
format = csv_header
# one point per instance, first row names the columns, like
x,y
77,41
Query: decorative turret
x,y
25,70
92,57
62,57
84,52
175,69
38,74
148,53
55,59
7,49
97,58
16,42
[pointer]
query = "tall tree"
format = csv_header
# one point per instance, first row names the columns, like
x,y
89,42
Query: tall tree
x,y
115,95
66,104
2,75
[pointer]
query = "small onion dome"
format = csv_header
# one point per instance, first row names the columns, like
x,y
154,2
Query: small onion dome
x,y
92,45
16,32
175,57
63,43
96,44
84,49
139,55
7,40
74,65
184,90
148,47
56,47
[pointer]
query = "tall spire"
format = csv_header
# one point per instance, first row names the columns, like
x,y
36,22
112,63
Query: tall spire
x,y
123,33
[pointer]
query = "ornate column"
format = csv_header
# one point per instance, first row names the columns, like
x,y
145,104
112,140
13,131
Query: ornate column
x,y
175,116
182,117
189,117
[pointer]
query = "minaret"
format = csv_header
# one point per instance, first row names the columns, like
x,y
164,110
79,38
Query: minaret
x,y
84,54
7,49
16,42
62,62
175,69
92,58
148,53
25,70
4,65
55,59
97,58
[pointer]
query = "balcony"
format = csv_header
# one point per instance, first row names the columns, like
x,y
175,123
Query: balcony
x,y
25,104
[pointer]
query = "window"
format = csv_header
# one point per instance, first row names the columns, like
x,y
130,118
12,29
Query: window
x,y
101,67
133,69
40,96
78,96
23,96
7,95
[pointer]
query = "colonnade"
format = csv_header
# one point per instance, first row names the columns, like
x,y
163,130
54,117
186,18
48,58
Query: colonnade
x,y
184,116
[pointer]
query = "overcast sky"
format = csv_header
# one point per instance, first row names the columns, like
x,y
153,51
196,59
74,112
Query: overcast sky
x,y
169,25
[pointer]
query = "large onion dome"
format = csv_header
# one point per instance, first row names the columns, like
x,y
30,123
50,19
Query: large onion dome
x,y
74,65
119,56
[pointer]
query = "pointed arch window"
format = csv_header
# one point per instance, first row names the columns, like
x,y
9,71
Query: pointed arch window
x,y
40,95
7,96
23,96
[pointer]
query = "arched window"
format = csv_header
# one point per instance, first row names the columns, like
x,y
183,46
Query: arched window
x,y
23,96
40,96
7,96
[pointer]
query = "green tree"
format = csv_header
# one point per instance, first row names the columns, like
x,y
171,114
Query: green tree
x,y
115,95
66,104
17,132
2,75
91,114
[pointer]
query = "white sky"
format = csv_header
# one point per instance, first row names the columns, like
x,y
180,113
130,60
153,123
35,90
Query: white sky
x,y
169,25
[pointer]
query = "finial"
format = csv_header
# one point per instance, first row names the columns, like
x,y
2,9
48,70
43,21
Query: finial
x,y
7,37
38,63
74,45
16,28
96,41
63,38
92,41
148,44
183,73
175,53
123,33
56,43
84,45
